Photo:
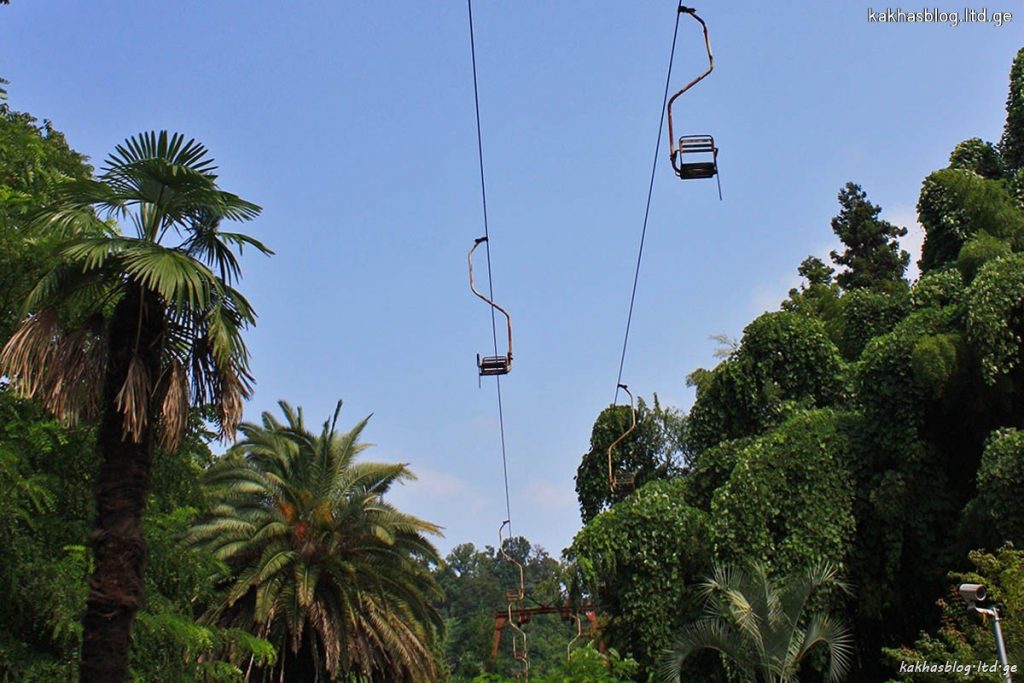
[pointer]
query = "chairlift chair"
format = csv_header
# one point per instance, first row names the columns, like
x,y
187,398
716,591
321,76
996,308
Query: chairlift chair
x,y
695,145
519,649
694,156
491,365
620,481
519,592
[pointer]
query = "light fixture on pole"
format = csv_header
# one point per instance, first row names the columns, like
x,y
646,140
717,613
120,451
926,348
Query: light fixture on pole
x,y
973,593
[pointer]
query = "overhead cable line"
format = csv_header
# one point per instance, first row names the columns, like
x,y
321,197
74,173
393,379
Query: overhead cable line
x,y
647,208
487,242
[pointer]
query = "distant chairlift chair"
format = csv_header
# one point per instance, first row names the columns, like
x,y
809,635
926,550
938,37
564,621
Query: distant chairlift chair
x,y
491,365
519,645
620,481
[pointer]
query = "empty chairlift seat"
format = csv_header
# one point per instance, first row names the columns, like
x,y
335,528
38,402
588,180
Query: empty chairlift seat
x,y
696,157
693,157
491,365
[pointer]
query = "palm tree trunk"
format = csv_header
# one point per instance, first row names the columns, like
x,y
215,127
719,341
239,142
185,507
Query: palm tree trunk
x,y
119,551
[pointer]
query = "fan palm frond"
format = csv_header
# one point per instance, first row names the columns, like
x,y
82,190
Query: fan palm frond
x,y
759,623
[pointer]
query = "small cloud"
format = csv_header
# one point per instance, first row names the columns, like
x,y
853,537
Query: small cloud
x,y
550,497
434,483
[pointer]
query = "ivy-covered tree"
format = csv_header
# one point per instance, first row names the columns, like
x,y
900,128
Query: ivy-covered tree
x,y
819,296
788,501
872,257
1000,482
641,560
785,361
656,449
955,205
978,156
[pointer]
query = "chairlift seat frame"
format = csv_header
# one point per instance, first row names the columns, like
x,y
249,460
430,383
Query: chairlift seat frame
x,y
695,144
625,482
493,365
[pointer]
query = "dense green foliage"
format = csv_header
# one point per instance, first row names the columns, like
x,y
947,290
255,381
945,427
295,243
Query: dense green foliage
x,y
583,665
641,560
33,160
871,423
955,205
789,497
46,477
785,361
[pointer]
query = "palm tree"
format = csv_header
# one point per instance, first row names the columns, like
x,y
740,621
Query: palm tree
x,y
322,566
760,625
135,331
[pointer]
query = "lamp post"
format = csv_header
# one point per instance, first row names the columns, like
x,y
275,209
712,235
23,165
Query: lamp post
x,y
973,593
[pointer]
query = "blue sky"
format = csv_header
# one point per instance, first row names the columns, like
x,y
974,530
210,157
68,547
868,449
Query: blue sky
x,y
351,123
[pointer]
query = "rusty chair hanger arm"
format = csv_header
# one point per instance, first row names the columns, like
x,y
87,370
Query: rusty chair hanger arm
x,y
472,286
711,65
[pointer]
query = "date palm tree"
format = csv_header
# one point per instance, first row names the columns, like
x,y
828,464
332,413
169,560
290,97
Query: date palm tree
x,y
761,626
321,565
135,331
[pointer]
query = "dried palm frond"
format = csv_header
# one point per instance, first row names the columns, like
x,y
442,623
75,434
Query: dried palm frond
x,y
174,408
134,398
25,356
74,378
63,370
233,391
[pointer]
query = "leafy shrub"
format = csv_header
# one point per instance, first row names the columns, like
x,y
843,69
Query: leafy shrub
x,y
978,251
642,559
955,205
866,314
995,304
1001,482
934,361
789,499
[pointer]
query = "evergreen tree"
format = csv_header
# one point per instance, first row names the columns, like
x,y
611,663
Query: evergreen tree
x,y
873,256
815,271
1012,143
